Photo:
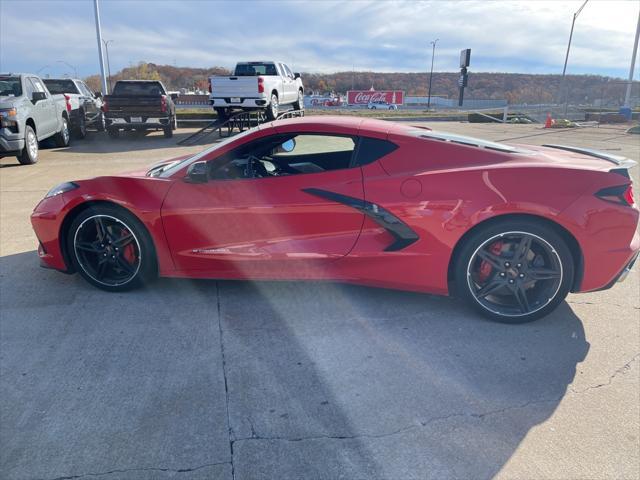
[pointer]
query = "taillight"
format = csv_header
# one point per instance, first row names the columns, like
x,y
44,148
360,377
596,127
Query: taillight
x,y
163,103
260,85
210,89
67,102
620,194
105,106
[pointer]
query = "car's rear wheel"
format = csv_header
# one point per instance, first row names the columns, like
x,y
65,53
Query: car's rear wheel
x,y
299,104
29,154
101,123
272,108
63,137
168,130
111,249
81,128
514,271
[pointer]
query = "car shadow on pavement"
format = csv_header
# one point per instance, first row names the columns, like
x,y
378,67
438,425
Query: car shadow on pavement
x,y
270,379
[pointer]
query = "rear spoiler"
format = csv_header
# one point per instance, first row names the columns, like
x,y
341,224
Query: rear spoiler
x,y
618,160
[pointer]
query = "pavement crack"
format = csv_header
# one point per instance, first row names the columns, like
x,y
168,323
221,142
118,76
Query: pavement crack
x,y
226,384
619,371
419,425
140,469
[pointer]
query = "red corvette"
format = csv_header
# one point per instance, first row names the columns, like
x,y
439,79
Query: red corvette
x,y
510,229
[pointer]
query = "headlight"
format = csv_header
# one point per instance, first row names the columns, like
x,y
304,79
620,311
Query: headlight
x,y
62,188
8,112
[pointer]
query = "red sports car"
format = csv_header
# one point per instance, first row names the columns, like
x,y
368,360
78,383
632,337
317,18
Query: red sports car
x,y
509,229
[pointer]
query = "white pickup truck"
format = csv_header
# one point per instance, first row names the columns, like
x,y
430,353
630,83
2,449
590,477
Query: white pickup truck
x,y
257,86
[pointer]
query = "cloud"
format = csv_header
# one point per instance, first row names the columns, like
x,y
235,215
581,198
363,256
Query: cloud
x,y
513,36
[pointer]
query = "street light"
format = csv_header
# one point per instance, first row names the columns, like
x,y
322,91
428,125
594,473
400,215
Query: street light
x,y
106,47
433,54
75,70
566,58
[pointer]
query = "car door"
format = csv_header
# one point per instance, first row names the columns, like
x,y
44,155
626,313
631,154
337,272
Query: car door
x,y
45,111
289,84
272,226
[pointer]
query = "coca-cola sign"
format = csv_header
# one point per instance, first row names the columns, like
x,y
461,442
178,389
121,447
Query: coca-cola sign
x,y
363,97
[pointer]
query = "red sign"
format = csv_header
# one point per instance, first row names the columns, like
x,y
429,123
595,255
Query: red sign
x,y
363,97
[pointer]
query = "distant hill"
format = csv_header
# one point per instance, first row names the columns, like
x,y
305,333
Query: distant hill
x,y
514,87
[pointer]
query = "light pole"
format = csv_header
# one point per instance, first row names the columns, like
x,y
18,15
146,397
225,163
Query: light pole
x,y
99,37
566,57
75,70
433,54
627,95
42,68
106,48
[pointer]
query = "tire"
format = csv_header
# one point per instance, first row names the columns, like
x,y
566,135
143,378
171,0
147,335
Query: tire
x,y
63,137
494,278
81,128
272,108
101,123
174,124
168,130
299,104
373,108
222,113
132,264
29,154
113,132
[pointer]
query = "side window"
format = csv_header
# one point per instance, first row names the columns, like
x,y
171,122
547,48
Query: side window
x,y
38,85
28,88
284,155
288,70
371,149
84,90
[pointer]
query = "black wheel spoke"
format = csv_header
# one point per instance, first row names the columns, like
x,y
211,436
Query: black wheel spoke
x,y
88,247
124,265
490,258
490,287
523,249
102,269
543,274
123,241
101,229
520,295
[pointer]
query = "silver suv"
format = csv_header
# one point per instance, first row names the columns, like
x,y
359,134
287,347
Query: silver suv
x,y
28,115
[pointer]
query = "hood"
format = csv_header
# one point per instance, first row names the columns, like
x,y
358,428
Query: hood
x,y
9,102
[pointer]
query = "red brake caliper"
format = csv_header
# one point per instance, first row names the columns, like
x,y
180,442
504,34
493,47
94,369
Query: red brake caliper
x,y
129,253
485,267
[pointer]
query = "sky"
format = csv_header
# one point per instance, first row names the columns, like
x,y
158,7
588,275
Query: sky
x,y
320,36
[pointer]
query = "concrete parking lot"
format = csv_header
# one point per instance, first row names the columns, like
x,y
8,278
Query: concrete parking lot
x,y
248,380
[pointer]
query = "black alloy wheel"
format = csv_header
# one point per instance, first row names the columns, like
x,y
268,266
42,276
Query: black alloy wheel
x,y
515,275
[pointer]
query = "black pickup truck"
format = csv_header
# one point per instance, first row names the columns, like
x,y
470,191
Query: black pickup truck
x,y
139,105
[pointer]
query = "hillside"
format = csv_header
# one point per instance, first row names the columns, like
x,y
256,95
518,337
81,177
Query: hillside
x,y
515,87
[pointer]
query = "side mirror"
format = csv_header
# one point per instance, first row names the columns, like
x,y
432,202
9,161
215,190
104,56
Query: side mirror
x,y
174,96
98,94
289,145
198,172
296,75
37,96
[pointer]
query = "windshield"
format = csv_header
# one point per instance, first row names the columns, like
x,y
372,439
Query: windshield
x,y
255,68
60,86
463,140
138,88
10,87
172,168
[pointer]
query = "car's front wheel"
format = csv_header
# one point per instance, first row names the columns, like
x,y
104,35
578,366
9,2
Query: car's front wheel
x,y
111,249
29,154
514,271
